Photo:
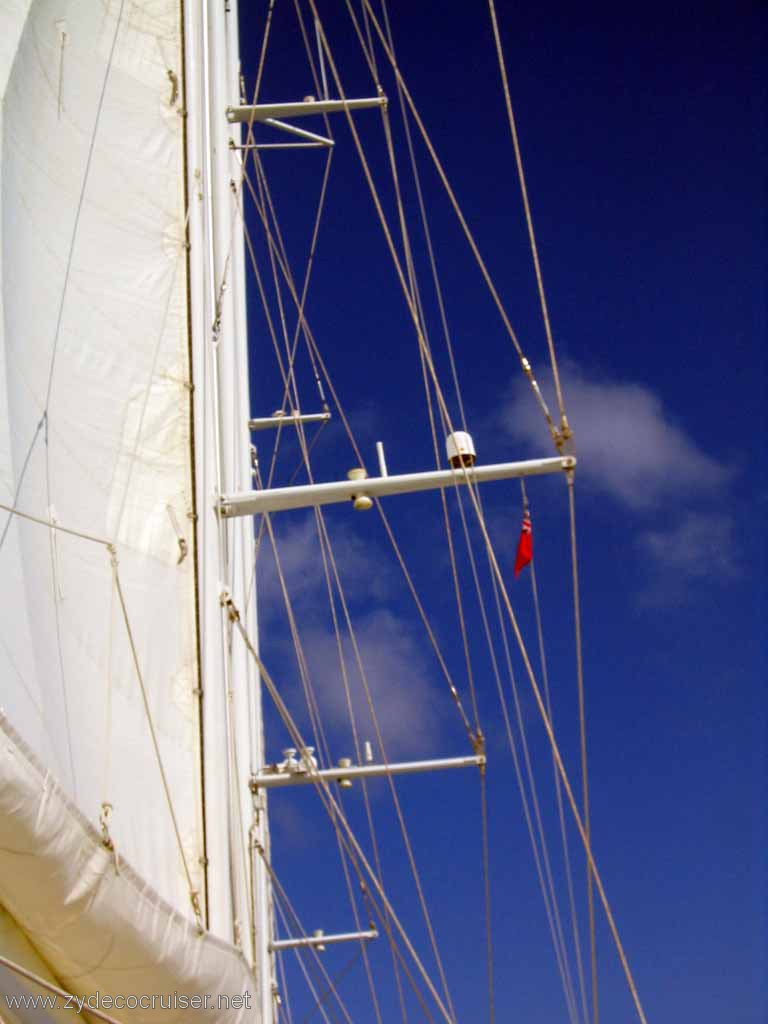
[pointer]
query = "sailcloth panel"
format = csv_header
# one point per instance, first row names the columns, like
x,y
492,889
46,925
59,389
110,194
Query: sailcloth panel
x,y
94,423
102,928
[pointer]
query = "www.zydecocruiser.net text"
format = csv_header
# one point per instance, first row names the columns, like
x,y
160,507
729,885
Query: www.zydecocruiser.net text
x,y
103,1001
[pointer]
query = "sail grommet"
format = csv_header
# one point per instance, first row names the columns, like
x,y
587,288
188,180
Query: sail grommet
x,y
360,502
460,449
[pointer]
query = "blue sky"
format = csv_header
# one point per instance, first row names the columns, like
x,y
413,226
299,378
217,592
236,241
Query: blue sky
x,y
642,135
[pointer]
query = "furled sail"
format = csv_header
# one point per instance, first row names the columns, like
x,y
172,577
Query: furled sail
x,y
99,672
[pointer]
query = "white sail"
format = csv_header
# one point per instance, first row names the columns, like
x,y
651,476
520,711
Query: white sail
x,y
101,695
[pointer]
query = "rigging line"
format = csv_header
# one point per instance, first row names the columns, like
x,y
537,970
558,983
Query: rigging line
x,y
390,534
80,202
317,726
107,771
554,915
262,212
260,534
372,58
452,554
342,973
423,351
27,457
358,753
381,916
450,193
263,295
496,569
299,959
291,382
321,62
558,789
358,927
325,541
582,736
283,990
558,759
335,812
233,783
56,586
384,223
425,226
310,258
416,876
565,431
263,53
193,894
392,786
487,894
304,292
13,511
49,987
385,227
414,314
549,893
326,545
263,184
311,61
313,952
401,561
250,124
558,441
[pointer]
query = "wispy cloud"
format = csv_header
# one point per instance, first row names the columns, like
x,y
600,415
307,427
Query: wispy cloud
x,y
701,545
627,444
362,569
398,679
398,674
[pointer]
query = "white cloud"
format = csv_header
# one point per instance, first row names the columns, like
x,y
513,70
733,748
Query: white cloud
x,y
626,443
407,706
701,545
364,573
399,674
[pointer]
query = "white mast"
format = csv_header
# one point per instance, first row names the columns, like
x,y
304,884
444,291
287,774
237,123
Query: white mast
x,y
232,728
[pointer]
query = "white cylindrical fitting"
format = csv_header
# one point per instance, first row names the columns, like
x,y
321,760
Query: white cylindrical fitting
x,y
345,762
460,449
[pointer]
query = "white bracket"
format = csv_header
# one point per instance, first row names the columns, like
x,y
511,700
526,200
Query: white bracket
x,y
273,778
279,499
284,419
264,111
320,941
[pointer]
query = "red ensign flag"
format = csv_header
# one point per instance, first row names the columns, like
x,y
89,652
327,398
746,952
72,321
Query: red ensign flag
x,y
524,545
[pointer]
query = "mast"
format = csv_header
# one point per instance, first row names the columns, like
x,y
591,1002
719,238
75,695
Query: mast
x,y
239,898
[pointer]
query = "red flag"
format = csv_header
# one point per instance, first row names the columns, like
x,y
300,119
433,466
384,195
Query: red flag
x,y
524,545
